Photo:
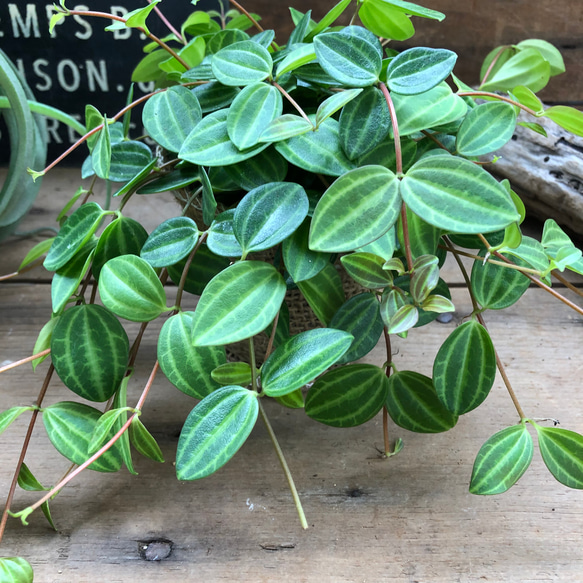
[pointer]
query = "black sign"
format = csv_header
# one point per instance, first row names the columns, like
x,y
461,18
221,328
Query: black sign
x,y
80,63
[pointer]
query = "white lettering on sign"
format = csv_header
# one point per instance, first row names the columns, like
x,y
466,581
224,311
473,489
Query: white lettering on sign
x,y
27,26
97,76
87,30
36,67
52,133
71,133
70,80
123,33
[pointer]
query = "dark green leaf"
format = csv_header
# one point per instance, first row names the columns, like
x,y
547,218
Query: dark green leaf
x,y
267,166
301,359
138,179
238,303
419,69
358,208
214,431
367,270
27,480
324,293
69,427
502,460
130,288
169,116
347,396
214,95
562,452
170,242
465,368
89,349
187,367
225,38
423,237
242,63
414,405
174,180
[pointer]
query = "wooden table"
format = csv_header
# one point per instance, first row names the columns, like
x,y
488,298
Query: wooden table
x,y
406,519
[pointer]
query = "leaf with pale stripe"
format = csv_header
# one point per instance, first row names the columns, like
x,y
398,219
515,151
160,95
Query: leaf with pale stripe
x,y
170,242
144,442
285,127
324,293
242,63
11,415
367,270
502,460
233,373
562,452
456,195
238,303
300,261
300,55
186,366
214,431
359,207
465,368
347,396
267,166
301,359
332,104
414,405
89,350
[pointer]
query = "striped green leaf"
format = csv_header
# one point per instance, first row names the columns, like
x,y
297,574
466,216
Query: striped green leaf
x,y
137,180
347,396
124,236
285,127
209,202
402,320
120,401
456,195
324,293
238,303
383,246
233,373
359,207
74,234
532,252
330,106
562,452
502,460
242,63
144,442
43,341
174,180
89,350
251,112
317,151
414,405
267,166
214,95
186,366
105,429
438,304
70,426
352,56
221,238
300,55
170,242
208,144
424,278
128,158
11,415
130,288
225,38
300,261
367,270
169,116
301,359
15,570
359,316
486,129
364,123
496,287
465,368
419,69
101,151
268,214
436,107
293,400
204,266
214,431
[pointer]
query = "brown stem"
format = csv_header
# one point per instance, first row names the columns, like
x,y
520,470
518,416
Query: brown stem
x,y
24,449
168,24
24,360
241,9
567,283
388,371
293,102
271,337
187,267
395,124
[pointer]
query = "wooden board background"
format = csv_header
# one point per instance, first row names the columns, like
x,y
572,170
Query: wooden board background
x,y
407,519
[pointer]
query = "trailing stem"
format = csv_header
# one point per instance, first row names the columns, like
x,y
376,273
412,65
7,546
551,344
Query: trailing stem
x,y
168,24
496,96
292,101
284,466
184,275
388,370
24,360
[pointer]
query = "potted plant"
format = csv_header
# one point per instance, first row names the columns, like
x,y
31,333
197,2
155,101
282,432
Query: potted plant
x,y
328,175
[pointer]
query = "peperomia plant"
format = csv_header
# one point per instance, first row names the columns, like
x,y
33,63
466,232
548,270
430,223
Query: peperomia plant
x,y
329,169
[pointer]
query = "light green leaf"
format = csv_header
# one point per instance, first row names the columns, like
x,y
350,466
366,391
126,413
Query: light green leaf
x,y
419,69
414,9
214,431
285,127
525,96
135,18
15,569
568,118
502,460
330,106
104,429
169,116
186,366
486,129
130,288
89,350
170,242
233,373
221,239
352,56
301,55
347,396
548,51
268,214
242,63
465,368
328,19
101,153
562,452
456,195
238,303
359,207
413,404
36,252
70,426
385,21
43,340
251,112
301,359
10,415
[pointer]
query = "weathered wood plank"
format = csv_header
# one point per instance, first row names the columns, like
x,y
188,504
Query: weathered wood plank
x,y
406,519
